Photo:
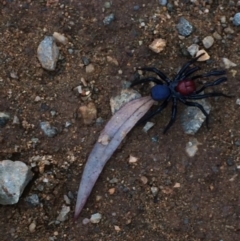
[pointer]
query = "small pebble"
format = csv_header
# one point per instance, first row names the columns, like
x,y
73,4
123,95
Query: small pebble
x,y
16,120
132,159
4,117
70,51
154,139
208,42
60,38
48,53
183,27
32,227
68,124
114,180
154,191
89,68
88,113
205,57
217,36
63,213
67,200
228,63
238,101
95,218
170,7
37,98
13,75
117,228
223,19
112,60
48,129
192,147
229,30
85,60
148,126
111,191
236,19
230,162
85,221
136,7
144,179
107,5
177,185
33,200
158,45
193,49
162,2
108,19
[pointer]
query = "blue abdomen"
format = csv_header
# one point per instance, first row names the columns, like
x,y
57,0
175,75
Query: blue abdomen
x,y
160,92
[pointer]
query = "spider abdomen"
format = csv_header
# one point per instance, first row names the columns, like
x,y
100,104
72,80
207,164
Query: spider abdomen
x,y
160,92
186,87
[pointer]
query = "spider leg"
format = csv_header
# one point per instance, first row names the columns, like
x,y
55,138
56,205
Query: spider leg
x,y
216,82
173,116
195,104
148,116
145,80
156,71
190,71
211,73
185,66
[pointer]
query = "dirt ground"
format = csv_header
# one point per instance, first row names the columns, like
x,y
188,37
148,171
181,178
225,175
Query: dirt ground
x,y
198,197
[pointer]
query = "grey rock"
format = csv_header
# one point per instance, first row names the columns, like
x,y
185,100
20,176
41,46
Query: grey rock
x,y
14,176
148,126
184,28
163,2
85,60
33,200
70,51
208,42
230,161
63,213
107,5
48,129
16,120
68,124
114,180
95,218
193,49
236,19
136,7
169,7
154,191
217,36
124,97
108,19
192,118
48,53
4,118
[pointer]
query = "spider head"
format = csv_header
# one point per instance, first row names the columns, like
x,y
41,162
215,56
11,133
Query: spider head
x,y
160,92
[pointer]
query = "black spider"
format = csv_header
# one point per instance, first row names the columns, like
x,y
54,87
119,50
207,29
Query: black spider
x,y
182,88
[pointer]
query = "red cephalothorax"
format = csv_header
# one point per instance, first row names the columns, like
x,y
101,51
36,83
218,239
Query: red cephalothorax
x,y
186,87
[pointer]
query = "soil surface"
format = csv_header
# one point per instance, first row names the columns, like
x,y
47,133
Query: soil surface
x,y
165,195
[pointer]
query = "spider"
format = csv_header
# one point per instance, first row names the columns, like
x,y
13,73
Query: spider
x,y
182,88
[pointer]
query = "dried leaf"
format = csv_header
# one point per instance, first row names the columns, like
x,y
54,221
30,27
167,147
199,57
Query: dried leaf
x,y
115,131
